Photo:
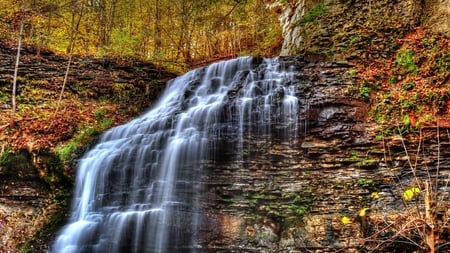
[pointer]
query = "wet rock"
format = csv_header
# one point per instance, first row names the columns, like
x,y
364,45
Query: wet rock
x,y
290,195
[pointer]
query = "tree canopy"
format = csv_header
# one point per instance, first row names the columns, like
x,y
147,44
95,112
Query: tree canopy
x,y
176,33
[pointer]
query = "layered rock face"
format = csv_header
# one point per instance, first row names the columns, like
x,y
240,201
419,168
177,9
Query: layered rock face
x,y
340,184
346,29
344,184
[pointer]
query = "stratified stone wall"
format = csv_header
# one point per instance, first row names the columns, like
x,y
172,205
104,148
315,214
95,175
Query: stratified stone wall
x,y
291,195
346,29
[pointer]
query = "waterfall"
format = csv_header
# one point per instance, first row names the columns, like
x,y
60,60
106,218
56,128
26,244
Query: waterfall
x,y
139,189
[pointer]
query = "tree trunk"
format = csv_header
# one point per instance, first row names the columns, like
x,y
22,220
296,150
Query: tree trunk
x,y
157,28
76,20
16,69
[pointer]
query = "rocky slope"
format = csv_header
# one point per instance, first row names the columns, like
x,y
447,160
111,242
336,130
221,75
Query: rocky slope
x,y
349,29
36,173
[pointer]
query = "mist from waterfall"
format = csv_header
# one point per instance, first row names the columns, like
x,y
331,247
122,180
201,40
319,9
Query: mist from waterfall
x,y
138,189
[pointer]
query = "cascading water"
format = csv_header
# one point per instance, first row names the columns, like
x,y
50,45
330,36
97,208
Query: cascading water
x,y
138,189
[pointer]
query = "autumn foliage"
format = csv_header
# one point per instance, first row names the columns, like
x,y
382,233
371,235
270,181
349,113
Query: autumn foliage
x,y
411,86
177,33
100,93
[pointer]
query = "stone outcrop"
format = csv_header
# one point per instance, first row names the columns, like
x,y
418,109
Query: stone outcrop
x,y
296,195
89,77
437,16
350,28
290,15
29,206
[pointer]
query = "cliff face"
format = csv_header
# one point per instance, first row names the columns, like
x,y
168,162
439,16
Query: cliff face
x,y
339,185
350,183
344,29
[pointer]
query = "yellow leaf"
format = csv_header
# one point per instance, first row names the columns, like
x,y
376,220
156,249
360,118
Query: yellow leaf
x,y
346,220
409,194
363,211
375,195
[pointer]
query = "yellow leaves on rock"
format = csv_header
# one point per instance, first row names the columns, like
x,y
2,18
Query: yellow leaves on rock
x,y
409,194
375,195
346,220
363,212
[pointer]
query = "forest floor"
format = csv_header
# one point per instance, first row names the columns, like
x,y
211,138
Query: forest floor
x,y
100,93
411,87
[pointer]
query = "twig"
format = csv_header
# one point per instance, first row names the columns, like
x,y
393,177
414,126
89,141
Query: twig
x,y
4,126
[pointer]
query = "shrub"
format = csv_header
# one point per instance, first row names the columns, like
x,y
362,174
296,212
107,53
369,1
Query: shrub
x,y
405,60
311,16
423,223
